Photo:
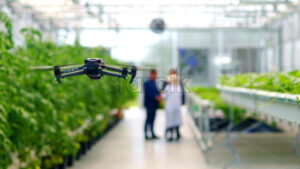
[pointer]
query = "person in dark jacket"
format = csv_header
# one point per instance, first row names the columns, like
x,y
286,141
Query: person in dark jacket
x,y
151,103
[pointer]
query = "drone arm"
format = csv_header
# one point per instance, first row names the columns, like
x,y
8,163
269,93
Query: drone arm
x,y
112,74
123,71
82,72
67,73
113,69
72,70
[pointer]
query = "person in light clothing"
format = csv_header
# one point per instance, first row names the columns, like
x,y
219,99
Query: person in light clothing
x,y
173,97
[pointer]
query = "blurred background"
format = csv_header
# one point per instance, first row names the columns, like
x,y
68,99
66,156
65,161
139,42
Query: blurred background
x,y
216,36
201,39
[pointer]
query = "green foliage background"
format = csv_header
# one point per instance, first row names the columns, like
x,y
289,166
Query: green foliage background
x,y
213,95
36,113
276,82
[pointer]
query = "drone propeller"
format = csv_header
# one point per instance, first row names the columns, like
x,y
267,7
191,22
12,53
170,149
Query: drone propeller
x,y
137,68
48,68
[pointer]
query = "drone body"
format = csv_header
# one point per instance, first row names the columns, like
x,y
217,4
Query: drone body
x,y
94,68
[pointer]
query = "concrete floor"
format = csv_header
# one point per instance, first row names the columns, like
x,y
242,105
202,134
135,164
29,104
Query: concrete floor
x,y
125,147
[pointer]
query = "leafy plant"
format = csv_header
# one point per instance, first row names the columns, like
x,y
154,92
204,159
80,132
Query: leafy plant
x,y
213,95
275,82
6,41
36,113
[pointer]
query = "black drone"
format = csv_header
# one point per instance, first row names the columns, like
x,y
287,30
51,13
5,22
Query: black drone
x,y
94,68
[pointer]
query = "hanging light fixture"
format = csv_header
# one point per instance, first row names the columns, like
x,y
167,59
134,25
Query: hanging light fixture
x,y
158,25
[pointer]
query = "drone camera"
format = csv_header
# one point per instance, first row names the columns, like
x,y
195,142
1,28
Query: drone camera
x,y
93,70
94,60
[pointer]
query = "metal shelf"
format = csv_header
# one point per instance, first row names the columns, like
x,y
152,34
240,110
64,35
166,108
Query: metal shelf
x,y
284,108
202,110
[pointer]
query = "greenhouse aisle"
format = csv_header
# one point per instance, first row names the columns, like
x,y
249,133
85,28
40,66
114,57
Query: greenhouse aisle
x,y
124,147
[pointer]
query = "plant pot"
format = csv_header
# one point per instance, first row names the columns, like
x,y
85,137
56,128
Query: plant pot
x,y
43,165
83,148
70,160
119,115
62,166
86,147
78,154
94,141
98,137
89,145
56,167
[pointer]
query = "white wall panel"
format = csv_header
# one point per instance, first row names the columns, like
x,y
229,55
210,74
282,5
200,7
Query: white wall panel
x,y
270,59
297,54
287,57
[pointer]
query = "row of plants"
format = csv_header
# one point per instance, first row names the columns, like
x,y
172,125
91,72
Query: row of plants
x,y
212,94
241,120
38,116
283,82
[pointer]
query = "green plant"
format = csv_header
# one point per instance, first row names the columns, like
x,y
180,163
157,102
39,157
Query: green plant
x,y
37,113
213,95
275,82
6,41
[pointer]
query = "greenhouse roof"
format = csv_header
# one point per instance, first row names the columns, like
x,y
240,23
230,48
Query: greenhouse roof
x,y
178,14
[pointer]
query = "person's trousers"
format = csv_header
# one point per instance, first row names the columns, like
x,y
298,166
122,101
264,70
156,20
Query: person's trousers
x,y
171,130
149,123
